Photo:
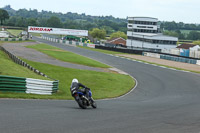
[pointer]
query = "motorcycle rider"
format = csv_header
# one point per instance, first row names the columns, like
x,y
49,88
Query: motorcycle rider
x,y
75,87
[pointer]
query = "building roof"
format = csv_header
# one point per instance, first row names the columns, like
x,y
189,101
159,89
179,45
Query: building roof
x,y
114,39
155,36
143,17
186,46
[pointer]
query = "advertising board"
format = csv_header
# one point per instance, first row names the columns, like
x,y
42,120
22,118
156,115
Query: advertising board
x,y
60,31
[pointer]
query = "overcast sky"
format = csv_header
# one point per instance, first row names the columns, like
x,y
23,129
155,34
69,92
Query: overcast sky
x,y
186,11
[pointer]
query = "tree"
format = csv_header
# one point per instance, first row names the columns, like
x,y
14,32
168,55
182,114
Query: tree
x,y
42,22
11,21
108,29
193,35
196,42
171,33
118,34
32,22
98,33
3,15
54,22
21,22
180,35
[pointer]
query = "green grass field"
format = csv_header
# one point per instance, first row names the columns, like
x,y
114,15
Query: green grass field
x,y
8,67
14,32
67,56
1,42
36,34
187,31
102,84
101,50
112,52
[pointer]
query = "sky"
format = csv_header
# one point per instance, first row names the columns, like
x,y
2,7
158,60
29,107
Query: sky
x,y
186,11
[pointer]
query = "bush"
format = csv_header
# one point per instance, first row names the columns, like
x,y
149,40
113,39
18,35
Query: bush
x,y
196,42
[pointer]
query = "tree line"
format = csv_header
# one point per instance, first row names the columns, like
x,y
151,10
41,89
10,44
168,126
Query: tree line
x,y
192,35
24,18
107,24
179,26
177,30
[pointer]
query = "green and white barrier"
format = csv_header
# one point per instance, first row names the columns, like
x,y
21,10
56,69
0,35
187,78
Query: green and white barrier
x,y
13,39
28,85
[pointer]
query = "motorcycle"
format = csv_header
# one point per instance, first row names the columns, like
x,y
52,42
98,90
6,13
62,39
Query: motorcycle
x,y
83,101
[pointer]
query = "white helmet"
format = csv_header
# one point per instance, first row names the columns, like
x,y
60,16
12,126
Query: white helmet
x,y
75,80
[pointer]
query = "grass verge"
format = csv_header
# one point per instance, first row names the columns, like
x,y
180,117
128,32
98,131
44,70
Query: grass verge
x,y
103,85
1,42
67,56
162,65
14,32
8,67
113,53
101,50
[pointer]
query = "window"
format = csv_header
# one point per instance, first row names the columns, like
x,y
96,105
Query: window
x,y
143,22
130,21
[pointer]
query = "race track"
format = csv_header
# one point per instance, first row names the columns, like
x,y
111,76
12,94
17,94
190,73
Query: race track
x,y
165,101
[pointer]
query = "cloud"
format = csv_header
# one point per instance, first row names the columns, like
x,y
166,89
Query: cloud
x,y
168,10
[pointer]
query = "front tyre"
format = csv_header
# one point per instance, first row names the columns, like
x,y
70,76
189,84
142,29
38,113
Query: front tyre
x,y
93,103
80,102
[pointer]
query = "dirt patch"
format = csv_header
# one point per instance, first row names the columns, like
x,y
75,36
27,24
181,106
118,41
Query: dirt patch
x,y
186,66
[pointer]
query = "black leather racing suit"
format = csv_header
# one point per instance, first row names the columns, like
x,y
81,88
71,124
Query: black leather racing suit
x,y
75,87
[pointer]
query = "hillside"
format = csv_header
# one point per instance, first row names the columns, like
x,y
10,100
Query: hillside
x,y
24,17
69,20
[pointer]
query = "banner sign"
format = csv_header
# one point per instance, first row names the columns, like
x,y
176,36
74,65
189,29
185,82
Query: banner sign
x,y
60,31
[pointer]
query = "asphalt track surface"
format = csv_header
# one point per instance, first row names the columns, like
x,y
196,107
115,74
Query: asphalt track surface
x,y
165,101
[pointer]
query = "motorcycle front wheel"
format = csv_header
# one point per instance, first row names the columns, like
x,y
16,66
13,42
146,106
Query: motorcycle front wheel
x,y
93,104
82,103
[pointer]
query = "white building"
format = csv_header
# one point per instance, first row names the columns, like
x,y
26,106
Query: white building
x,y
4,34
143,32
195,51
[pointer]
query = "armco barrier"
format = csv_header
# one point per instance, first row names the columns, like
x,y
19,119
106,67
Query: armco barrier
x,y
28,85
